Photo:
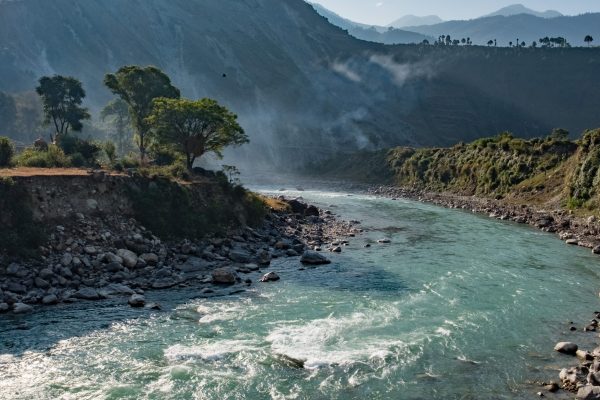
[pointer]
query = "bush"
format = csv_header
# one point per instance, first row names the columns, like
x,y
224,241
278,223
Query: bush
x,y
130,161
77,160
7,151
53,158
72,145
110,150
164,156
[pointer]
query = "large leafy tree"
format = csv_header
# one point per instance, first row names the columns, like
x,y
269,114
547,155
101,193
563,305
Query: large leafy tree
x,y
61,100
195,128
589,39
138,87
116,113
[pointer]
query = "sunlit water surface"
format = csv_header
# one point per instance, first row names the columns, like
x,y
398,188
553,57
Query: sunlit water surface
x,y
458,306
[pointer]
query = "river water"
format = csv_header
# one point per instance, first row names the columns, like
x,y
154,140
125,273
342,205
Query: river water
x,y
458,306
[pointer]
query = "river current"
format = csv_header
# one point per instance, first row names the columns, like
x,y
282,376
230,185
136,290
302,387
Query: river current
x,y
457,306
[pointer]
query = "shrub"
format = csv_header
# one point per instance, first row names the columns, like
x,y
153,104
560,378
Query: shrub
x,y
7,151
110,150
77,160
53,158
164,156
88,150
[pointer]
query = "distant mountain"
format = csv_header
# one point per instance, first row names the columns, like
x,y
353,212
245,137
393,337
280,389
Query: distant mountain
x,y
517,9
379,34
524,27
413,20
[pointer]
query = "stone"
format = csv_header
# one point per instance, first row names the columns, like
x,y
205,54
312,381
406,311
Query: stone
x,y
240,256
150,258
91,204
224,276
50,299
291,253
336,249
113,267
596,250
384,241
264,257
552,387
87,293
4,307
566,348
112,258
588,393
130,259
137,300
117,289
16,288
46,273
41,283
314,258
67,259
194,265
15,269
573,242
153,306
311,211
21,308
91,250
584,355
270,277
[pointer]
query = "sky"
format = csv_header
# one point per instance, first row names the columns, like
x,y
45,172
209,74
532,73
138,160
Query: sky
x,y
383,12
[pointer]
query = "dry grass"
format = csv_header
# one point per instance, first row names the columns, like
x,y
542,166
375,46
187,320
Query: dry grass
x,y
275,204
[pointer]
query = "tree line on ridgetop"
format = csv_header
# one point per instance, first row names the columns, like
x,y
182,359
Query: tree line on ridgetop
x,y
148,111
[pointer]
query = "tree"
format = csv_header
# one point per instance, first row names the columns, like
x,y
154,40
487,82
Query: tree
x,y
534,44
490,42
510,44
195,128
559,134
61,100
589,39
523,44
138,87
425,42
8,112
117,114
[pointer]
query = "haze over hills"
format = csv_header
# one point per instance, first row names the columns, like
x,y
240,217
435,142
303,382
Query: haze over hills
x,y
303,88
378,34
414,20
517,9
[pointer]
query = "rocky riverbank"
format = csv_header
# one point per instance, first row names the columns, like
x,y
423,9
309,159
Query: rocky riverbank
x,y
582,379
97,256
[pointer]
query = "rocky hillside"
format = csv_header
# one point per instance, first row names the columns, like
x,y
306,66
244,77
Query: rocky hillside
x,y
303,88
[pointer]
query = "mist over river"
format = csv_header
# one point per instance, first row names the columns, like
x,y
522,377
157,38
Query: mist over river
x,y
457,306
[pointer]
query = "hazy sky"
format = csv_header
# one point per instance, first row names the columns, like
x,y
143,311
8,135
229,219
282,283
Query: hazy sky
x,y
382,12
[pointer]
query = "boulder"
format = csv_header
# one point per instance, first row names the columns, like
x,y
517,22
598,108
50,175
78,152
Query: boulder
x,y
224,276
384,241
46,273
21,308
50,299
311,211
314,258
270,277
240,256
150,258
15,269
87,293
4,307
67,259
566,348
137,300
41,283
130,259
117,289
264,258
588,393
112,258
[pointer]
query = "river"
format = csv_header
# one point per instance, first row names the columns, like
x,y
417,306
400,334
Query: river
x,y
457,306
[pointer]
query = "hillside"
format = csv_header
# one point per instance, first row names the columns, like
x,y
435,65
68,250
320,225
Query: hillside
x,y
524,27
517,9
414,20
303,88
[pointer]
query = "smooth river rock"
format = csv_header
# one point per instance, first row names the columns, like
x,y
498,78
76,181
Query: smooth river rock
x,y
270,277
224,276
137,300
130,259
21,308
588,393
314,258
566,348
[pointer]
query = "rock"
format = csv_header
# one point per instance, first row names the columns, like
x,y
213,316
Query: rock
x,y
4,307
239,256
336,249
117,289
552,387
16,288
41,283
311,211
573,242
50,299
584,355
314,258
153,306
87,293
194,265
384,241
113,258
91,204
297,207
270,277
113,267
566,348
130,259
46,273
264,258
224,276
67,259
291,253
596,250
150,258
15,269
21,308
137,300
91,250
588,393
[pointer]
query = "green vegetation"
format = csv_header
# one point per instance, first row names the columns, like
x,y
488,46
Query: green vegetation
x,y
173,210
61,98
194,128
53,157
552,170
19,234
138,87
7,151
116,113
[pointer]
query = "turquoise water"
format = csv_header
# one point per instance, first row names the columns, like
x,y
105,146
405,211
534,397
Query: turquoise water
x,y
458,306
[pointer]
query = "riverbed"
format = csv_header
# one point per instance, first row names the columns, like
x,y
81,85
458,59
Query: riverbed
x,y
456,306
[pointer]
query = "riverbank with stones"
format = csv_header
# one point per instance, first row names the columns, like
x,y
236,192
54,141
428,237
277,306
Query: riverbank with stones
x,y
92,258
583,378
